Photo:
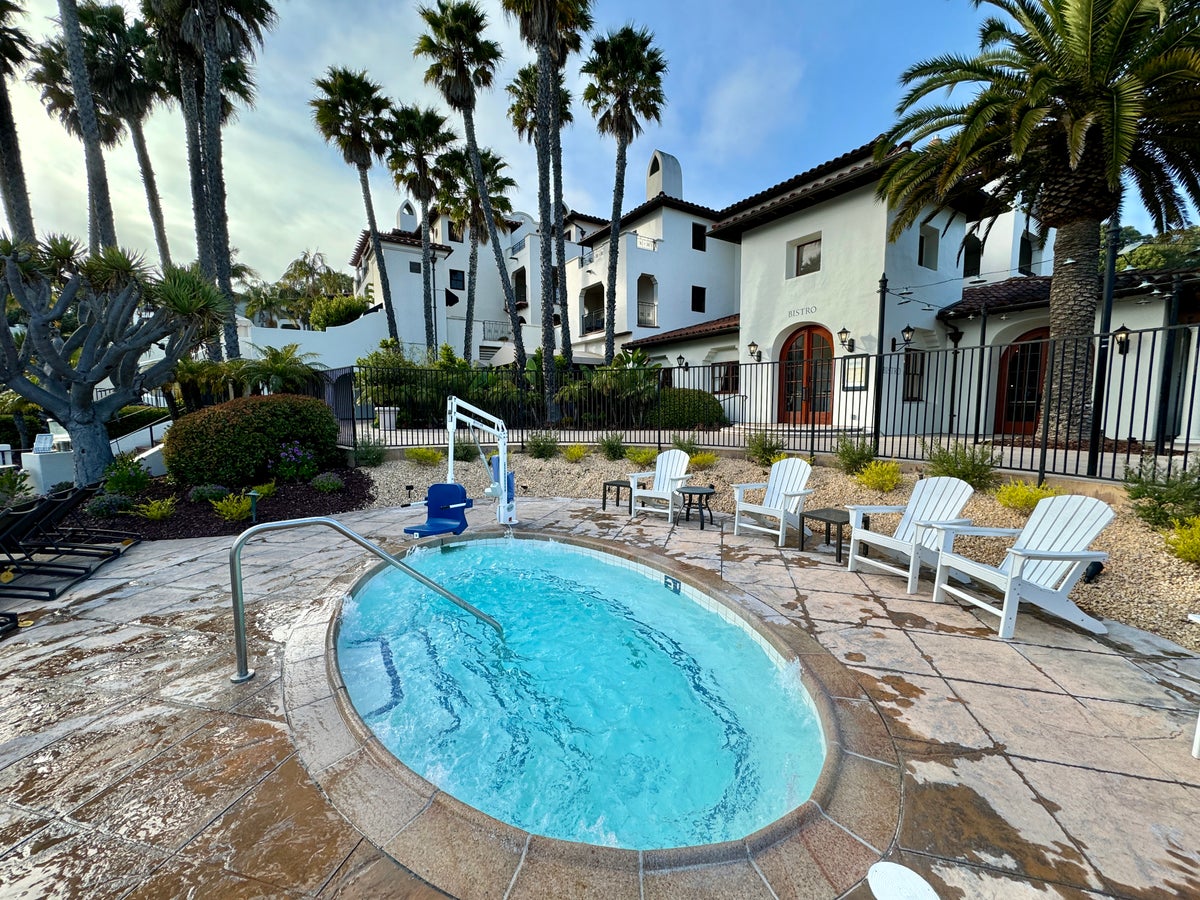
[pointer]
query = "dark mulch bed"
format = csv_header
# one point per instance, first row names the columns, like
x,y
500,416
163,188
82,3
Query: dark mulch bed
x,y
191,520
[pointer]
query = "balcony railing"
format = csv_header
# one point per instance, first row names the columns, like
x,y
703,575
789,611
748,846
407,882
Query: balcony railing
x,y
496,331
647,243
517,247
592,322
647,315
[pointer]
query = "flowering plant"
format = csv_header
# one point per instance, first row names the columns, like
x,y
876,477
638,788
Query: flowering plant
x,y
295,463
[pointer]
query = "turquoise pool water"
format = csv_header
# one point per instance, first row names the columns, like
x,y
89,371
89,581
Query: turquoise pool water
x,y
616,711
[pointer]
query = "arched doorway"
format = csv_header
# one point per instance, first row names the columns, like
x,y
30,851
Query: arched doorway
x,y
806,377
1019,383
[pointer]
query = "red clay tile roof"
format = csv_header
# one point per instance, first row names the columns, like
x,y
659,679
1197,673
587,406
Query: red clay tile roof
x,y
395,236
656,202
724,325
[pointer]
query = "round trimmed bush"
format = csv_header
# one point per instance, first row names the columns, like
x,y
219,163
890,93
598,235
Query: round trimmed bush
x,y
687,408
235,443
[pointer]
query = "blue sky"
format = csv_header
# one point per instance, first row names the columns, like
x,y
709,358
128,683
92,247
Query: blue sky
x,y
756,92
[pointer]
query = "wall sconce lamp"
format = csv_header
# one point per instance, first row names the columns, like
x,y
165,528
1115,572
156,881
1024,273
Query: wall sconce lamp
x,y
955,335
1121,339
847,341
683,363
907,333
755,353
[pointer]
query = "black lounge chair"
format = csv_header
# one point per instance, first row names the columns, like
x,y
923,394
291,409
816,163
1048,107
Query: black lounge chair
x,y
51,536
16,524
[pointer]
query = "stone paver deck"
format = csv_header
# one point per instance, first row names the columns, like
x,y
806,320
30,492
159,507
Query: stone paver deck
x,y
1057,764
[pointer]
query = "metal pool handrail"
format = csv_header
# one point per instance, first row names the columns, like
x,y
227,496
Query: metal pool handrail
x,y
244,672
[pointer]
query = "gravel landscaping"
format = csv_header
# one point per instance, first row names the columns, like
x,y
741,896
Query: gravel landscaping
x,y
1141,585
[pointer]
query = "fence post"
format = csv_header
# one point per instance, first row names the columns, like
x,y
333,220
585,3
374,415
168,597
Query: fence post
x,y
1047,396
1110,266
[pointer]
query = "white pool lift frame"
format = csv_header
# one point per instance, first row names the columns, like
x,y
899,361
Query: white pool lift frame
x,y
460,413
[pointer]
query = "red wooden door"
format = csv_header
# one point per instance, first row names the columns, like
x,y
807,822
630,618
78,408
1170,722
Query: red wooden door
x,y
1019,384
806,377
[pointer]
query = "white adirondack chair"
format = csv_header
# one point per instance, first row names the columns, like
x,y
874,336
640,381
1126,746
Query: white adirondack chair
x,y
670,474
783,499
1048,558
913,542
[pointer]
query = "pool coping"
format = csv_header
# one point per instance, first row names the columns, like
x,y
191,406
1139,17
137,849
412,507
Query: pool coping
x,y
830,841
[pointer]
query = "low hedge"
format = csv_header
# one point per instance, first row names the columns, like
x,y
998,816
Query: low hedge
x,y
234,443
687,408
133,418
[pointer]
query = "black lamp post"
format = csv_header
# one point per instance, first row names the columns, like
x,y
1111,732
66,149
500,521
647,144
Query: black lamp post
x,y
1110,271
954,336
878,412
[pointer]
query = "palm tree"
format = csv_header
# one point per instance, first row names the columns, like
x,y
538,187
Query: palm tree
x,y
350,112
102,229
116,55
1069,99
552,28
458,198
418,137
281,370
267,301
461,62
15,46
625,74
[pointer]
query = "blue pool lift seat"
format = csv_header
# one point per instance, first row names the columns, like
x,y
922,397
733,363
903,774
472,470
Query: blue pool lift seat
x,y
446,508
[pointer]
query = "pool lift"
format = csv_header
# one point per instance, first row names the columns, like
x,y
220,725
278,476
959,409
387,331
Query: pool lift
x,y
446,504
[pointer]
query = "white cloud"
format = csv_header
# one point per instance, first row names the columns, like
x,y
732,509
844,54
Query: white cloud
x,y
747,107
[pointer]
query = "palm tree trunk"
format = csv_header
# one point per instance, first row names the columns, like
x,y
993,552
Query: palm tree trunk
x,y
12,173
190,105
559,241
1073,291
426,278
99,199
152,199
469,324
614,237
547,84
510,300
377,249
215,179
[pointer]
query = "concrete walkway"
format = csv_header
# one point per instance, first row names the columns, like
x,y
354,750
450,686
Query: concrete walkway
x,y
130,766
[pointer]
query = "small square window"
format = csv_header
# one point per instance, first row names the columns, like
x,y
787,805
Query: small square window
x,y
456,234
808,257
699,236
927,247
725,377
1025,255
697,299
972,256
414,268
458,279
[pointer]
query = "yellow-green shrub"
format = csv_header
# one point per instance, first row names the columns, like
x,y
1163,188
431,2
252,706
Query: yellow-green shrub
x,y
233,508
156,510
779,457
265,490
424,456
575,453
879,475
1183,540
705,459
1023,496
642,456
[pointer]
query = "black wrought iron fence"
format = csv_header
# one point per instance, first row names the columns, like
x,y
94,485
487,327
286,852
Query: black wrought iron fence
x,y
1087,407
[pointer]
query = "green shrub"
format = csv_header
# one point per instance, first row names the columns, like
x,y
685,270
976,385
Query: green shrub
x,y
783,454
329,312
294,463
686,443
763,448
642,456
541,445
1183,540
853,455
156,510
14,487
465,451
687,408
327,483
369,452
236,442
265,490
202,492
575,453
1161,498
612,445
107,506
125,475
705,459
424,456
1023,496
976,465
879,475
232,508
